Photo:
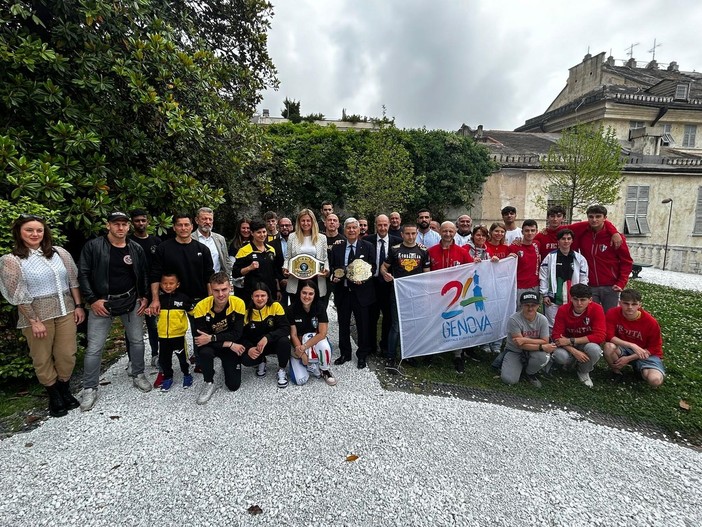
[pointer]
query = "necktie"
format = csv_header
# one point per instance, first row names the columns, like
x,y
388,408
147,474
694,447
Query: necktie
x,y
351,255
381,256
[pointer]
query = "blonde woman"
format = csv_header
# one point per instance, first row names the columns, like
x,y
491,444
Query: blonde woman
x,y
307,240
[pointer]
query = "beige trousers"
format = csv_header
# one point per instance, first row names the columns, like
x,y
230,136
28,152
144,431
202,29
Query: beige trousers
x,y
54,356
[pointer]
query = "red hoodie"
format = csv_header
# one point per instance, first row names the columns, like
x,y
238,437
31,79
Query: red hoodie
x,y
590,323
607,266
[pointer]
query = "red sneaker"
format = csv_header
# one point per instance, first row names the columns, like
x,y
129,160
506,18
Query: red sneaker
x,y
159,380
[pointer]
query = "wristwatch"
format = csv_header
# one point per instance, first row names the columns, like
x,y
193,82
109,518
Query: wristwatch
x,y
213,338
572,341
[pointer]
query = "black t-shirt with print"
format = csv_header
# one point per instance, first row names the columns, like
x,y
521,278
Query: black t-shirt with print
x,y
407,261
122,277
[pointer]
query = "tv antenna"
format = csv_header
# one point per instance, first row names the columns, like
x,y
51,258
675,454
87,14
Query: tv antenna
x,y
630,50
653,49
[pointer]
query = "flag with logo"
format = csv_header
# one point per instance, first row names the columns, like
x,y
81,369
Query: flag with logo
x,y
454,308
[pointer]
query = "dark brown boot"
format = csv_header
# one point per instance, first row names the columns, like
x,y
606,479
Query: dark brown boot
x,y
69,401
56,405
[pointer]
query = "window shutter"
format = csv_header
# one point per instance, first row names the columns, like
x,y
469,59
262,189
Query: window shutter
x,y
698,213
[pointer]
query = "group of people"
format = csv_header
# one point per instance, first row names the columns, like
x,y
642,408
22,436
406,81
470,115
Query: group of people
x,y
201,298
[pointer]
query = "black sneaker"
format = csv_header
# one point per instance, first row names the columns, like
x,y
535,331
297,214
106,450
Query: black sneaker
x,y
459,364
470,353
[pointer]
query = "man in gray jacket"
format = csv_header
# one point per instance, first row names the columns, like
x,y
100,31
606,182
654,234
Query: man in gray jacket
x,y
113,279
214,242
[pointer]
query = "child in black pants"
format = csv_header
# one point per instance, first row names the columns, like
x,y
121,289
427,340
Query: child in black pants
x,y
172,326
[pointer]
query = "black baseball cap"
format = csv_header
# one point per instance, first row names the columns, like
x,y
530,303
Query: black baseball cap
x,y
529,298
117,216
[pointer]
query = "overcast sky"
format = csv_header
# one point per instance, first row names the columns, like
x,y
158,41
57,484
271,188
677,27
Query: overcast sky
x,y
441,63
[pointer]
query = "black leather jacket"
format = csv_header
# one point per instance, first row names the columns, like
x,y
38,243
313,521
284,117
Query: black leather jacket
x,y
94,269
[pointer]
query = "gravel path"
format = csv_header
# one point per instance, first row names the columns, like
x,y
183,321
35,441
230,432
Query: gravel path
x,y
155,459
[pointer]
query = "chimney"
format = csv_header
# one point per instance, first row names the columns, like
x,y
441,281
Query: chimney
x,y
673,66
266,112
610,61
479,132
631,63
587,57
653,65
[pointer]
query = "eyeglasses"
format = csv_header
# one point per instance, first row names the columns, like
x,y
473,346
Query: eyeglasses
x,y
31,217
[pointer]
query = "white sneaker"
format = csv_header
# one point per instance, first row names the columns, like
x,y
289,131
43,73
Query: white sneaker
x,y
88,400
329,377
282,378
206,393
261,370
585,379
141,382
154,361
313,369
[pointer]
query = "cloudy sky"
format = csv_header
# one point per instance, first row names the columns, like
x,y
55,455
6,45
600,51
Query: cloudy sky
x,y
441,63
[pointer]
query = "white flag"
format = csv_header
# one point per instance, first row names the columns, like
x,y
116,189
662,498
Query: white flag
x,y
456,308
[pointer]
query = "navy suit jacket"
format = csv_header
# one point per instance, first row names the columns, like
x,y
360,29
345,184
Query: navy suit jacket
x,y
365,292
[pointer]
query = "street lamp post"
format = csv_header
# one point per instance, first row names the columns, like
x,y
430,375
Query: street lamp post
x,y
667,234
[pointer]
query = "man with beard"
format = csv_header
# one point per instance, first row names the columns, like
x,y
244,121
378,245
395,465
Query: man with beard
x,y
214,242
148,242
426,237
285,227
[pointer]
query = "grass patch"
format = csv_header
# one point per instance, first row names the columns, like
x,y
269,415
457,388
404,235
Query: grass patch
x,y
680,316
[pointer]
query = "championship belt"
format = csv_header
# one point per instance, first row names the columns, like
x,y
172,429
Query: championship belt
x,y
304,266
359,271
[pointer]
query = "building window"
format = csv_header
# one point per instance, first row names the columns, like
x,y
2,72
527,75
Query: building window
x,y
698,213
667,138
689,135
681,92
635,221
633,125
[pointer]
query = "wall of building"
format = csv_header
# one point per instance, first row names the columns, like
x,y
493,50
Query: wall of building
x,y
520,186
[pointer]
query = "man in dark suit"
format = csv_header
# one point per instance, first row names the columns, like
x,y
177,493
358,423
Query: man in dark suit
x,y
352,297
382,240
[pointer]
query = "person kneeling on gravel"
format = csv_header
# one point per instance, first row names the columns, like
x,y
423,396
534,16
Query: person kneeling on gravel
x,y
312,351
578,330
219,322
634,337
527,336
266,332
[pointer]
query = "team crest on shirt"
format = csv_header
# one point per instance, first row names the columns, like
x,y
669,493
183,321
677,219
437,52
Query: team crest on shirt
x,y
520,253
269,322
603,248
587,321
128,259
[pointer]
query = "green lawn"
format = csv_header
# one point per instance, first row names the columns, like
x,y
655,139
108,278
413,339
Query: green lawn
x,y
680,316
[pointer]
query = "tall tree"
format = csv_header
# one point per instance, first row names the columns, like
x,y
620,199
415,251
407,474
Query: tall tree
x,y
583,167
381,177
144,103
453,169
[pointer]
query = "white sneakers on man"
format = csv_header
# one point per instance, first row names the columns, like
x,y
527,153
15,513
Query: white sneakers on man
x,y
208,389
585,379
141,382
88,400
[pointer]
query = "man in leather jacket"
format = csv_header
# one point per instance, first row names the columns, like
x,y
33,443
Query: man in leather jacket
x,y
113,279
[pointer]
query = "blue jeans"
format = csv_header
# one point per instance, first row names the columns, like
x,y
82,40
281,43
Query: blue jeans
x,y
98,330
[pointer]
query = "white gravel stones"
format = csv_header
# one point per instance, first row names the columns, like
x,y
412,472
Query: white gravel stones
x,y
158,458
670,278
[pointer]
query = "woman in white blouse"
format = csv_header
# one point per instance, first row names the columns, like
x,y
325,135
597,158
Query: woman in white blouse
x,y
307,240
42,281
